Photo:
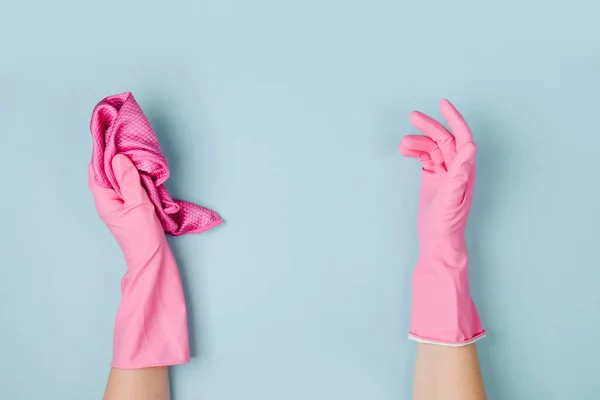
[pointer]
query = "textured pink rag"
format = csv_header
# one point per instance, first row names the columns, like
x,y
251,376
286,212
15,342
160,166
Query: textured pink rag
x,y
119,126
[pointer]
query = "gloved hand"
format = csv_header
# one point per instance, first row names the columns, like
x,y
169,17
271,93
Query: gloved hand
x,y
151,325
442,309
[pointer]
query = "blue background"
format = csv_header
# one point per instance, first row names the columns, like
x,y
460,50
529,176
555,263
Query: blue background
x,y
285,118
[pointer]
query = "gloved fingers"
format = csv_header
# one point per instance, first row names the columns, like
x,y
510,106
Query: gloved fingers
x,y
437,132
425,144
456,122
459,176
425,159
129,180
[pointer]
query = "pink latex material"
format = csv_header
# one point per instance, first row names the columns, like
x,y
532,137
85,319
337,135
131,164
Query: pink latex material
x,y
119,126
442,309
151,325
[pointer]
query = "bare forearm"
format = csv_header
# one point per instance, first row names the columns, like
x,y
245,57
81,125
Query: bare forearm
x,y
448,373
138,384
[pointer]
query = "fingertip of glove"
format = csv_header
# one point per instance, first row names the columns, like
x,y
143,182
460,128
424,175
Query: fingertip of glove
x,y
402,150
404,142
120,161
445,103
415,117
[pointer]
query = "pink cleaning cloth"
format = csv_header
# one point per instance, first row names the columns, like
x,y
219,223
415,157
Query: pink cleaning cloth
x,y
119,126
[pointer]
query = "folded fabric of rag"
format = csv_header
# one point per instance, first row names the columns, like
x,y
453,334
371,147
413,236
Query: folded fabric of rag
x,y
119,126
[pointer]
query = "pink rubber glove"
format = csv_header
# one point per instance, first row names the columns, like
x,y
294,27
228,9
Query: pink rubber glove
x,y
151,326
442,309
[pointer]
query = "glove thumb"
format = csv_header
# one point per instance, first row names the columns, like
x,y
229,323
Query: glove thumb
x,y
129,181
